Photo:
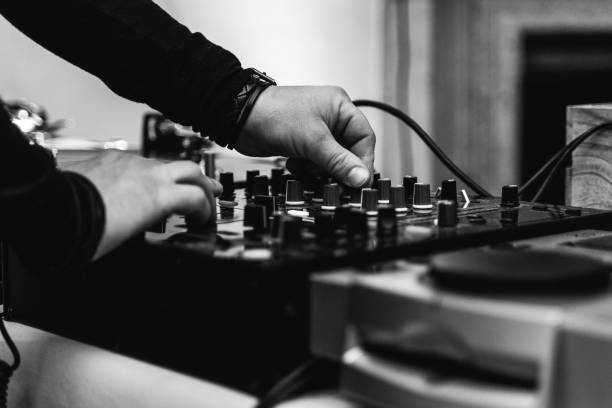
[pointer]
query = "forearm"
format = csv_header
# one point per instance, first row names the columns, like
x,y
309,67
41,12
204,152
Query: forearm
x,y
139,51
51,218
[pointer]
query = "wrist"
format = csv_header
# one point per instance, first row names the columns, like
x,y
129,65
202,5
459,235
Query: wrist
x,y
231,124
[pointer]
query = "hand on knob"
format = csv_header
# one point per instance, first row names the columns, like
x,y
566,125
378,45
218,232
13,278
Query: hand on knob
x,y
138,192
316,127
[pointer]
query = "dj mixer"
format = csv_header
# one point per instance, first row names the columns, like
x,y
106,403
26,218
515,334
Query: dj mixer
x,y
280,222
230,302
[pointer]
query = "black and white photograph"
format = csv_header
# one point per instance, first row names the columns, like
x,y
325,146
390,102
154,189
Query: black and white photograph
x,y
305,204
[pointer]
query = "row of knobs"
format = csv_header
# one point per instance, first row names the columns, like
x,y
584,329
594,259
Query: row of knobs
x,y
373,201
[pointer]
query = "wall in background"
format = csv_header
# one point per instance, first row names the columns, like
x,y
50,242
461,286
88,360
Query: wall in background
x,y
338,42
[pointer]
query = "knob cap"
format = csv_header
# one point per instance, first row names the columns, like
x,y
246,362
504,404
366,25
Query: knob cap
x,y
250,177
276,181
261,186
369,200
331,197
291,231
384,188
227,181
386,222
449,190
447,213
409,182
398,199
422,198
510,196
294,193
255,217
269,202
357,225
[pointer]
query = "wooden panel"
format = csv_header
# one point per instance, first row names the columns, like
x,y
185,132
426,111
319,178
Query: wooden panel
x,y
590,178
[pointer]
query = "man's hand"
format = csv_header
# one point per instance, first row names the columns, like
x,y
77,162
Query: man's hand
x,y
138,192
318,124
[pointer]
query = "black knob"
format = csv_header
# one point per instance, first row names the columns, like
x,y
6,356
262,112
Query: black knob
x,y
317,189
422,198
384,187
510,196
291,231
255,217
294,193
375,178
276,181
209,164
357,225
409,182
355,200
250,177
449,190
398,199
386,222
447,213
369,200
324,226
261,186
269,202
331,197
227,181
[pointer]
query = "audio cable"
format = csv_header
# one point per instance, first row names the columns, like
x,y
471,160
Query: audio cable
x,y
412,124
557,161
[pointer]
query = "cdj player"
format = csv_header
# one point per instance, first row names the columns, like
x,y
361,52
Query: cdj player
x,y
230,303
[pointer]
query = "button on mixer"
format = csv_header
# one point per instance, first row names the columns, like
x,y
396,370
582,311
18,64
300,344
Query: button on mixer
x,y
255,217
449,190
227,181
384,186
331,197
398,199
276,181
369,200
408,183
294,193
422,198
510,196
250,177
447,213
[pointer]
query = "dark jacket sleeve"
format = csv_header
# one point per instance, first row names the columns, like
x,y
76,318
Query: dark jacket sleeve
x,y
53,220
139,51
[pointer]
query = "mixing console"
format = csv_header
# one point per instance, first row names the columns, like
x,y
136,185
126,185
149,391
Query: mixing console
x,y
279,221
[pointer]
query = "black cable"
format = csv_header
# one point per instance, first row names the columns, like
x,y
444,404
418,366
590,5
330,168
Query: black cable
x,y
6,370
428,141
565,153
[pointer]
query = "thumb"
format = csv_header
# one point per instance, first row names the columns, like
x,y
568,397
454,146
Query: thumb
x,y
339,162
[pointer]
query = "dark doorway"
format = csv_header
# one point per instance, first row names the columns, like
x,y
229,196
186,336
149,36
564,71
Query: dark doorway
x,y
559,69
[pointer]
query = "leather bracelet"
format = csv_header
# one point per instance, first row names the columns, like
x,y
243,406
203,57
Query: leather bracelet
x,y
230,125
246,111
